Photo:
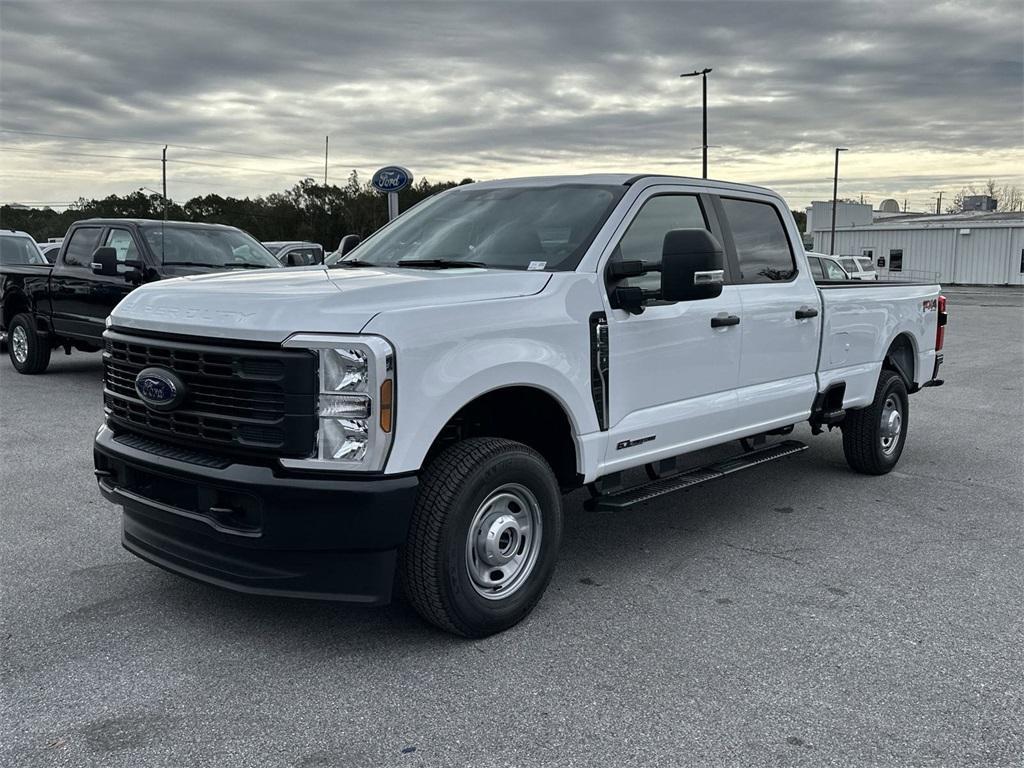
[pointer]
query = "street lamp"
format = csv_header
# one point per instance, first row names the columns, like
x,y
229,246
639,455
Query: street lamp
x,y
704,144
163,198
835,193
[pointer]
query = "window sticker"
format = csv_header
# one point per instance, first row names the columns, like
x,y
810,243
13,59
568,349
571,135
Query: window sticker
x,y
536,265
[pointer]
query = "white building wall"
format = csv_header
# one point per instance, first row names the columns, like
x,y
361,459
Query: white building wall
x,y
986,256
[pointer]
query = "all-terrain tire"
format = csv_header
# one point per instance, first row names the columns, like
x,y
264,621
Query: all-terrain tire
x,y
452,514
868,446
28,349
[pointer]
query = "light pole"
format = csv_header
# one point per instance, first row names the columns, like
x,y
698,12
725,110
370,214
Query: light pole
x,y
835,194
163,198
704,101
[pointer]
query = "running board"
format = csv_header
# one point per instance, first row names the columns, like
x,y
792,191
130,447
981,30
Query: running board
x,y
639,493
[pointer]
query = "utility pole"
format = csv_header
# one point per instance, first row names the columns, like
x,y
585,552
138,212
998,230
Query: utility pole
x,y
835,195
938,205
704,104
163,162
327,223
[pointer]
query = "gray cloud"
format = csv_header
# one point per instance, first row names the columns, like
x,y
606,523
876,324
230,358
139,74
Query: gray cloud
x,y
915,89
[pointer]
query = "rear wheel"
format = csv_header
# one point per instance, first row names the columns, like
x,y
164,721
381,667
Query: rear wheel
x,y
873,437
484,536
27,348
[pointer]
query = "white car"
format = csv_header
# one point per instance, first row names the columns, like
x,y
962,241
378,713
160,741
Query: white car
x,y
826,267
19,249
859,267
419,408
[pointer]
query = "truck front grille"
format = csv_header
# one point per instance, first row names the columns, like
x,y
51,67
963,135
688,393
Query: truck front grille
x,y
243,399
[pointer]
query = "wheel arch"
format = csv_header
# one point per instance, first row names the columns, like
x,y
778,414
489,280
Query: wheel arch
x,y
14,303
526,413
901,357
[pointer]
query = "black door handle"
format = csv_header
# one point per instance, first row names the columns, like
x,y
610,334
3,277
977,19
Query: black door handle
x,y
804,312
723,320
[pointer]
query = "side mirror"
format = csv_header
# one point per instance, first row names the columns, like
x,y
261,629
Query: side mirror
x,y
692,265
104,261
348,242
294,259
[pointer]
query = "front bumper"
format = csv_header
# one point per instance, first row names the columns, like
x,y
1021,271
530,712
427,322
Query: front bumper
x,y
252,528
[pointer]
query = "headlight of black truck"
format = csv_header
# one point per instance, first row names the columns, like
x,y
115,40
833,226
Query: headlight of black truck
x,y
356,404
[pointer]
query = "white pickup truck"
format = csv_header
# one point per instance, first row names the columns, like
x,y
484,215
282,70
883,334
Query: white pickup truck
x,y
419,407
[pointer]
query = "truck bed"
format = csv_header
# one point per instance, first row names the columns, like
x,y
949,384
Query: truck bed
x,y
860,321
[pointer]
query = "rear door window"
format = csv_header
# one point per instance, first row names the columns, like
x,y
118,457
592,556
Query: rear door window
x,y
832,270
84,241
762,247
121,240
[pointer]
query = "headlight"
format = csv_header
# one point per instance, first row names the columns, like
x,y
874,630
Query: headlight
x,y
355,406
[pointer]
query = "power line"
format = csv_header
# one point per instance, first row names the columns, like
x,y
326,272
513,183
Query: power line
x,y
64,152
78,154
150,143
230,167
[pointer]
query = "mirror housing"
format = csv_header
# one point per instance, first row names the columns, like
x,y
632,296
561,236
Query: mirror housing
x,y
104,261
293,260
620,269
348,242
692,265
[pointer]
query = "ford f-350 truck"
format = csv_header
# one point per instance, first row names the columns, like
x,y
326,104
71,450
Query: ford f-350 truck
x,y
43,307
418,409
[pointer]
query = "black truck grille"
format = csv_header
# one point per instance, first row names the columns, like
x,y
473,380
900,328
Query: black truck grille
x,y
243,399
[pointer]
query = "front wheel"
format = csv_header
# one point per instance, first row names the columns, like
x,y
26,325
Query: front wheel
x,y
484,536
27,348
873,436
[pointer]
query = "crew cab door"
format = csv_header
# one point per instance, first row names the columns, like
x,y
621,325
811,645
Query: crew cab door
x,y
81,299
781,314
70,283
671,374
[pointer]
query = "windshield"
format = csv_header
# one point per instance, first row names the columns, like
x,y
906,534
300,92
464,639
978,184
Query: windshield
x,y
16,250
273,247
506,228
201,247
849,263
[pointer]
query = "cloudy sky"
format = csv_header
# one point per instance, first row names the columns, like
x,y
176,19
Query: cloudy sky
x,y
927,96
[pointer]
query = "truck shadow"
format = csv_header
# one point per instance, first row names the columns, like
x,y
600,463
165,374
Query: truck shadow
x,y
655,546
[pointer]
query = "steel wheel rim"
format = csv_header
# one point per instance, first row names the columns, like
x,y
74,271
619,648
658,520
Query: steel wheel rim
x,y
891,425
503,541
19,344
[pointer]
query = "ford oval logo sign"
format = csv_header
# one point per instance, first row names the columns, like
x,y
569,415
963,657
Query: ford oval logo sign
x,y
392,178
159,389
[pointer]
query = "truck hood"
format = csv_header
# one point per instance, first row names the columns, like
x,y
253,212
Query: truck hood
x,y
271,305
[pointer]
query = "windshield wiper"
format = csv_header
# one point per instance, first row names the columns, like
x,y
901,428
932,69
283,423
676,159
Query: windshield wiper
x,y
439,263
245,265
351,263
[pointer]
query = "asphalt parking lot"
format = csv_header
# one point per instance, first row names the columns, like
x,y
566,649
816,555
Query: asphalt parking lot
x,y
795,615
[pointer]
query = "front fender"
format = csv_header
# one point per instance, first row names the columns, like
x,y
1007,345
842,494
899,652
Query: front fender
x,y
448,356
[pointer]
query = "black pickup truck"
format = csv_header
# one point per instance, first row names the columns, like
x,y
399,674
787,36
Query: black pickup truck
x,y
100,262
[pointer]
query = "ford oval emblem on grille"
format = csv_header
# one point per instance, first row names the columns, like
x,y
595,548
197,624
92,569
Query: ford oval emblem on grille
x,y
159,389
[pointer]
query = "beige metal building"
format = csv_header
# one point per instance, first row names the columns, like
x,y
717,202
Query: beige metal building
x,y
973,248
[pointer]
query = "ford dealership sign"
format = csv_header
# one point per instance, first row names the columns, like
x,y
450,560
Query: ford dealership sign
x,y
391,178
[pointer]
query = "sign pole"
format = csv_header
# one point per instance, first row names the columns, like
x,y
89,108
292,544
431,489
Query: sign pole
x,y
390,180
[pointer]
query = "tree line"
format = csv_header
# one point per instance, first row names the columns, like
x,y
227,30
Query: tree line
x,y
308,211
